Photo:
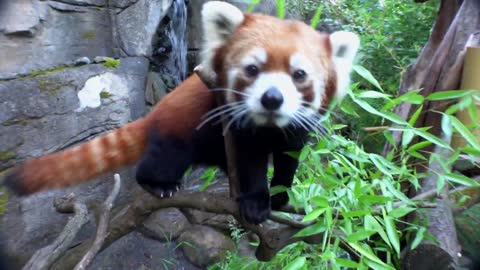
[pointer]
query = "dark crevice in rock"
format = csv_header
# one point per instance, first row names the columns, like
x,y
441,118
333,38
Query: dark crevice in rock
x,y
80,4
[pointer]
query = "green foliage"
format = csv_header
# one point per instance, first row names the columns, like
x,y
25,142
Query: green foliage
x,y
105,94
392,32
89,34
352,195
111,62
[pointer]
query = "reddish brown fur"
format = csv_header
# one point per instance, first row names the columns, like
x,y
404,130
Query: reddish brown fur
x,y
176,115
281,39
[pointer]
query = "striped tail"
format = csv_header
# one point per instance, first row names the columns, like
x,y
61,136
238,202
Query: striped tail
x,y
78,164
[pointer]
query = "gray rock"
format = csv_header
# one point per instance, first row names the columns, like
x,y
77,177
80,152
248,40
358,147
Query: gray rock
x,y
134,251
45,114
100,59
67,8
94,3
205,245
165,224
123,3
217,221
64,37
138,24
50,112
82,61
22,17
156,88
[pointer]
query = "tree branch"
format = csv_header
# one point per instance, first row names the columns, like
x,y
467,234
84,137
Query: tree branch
x,y
102,226
45,257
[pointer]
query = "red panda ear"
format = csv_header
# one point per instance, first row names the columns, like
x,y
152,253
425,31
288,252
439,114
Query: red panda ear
x,y
220,20
344,48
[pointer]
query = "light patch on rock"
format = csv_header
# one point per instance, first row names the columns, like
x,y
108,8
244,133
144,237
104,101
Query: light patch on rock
x,y
90,97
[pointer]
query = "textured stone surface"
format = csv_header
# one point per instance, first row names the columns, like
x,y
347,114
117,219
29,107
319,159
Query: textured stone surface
x,y
138,24
40,115
165,224
156,88
135,251
61,38
206,245
31,12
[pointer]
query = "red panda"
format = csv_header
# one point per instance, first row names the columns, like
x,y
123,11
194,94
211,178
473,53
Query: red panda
x,y
279,77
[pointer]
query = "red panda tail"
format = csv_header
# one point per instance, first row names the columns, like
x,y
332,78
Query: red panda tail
x,y
78,164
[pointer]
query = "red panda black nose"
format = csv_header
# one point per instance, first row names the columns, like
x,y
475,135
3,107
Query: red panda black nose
x,y
272,99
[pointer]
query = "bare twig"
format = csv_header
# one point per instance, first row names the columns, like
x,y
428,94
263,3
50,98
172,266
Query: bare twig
x,y
45,257
375,129
102,226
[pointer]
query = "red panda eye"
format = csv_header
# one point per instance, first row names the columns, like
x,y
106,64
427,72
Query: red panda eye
x,y
252,70
299,75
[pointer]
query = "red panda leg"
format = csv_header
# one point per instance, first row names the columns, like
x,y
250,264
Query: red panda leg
x,y
252,163
161,168
285,167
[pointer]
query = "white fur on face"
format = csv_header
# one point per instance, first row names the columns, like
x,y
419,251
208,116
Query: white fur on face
x,y
292,99
299,61
257,56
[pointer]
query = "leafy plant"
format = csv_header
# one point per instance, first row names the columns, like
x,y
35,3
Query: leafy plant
x,y
354,196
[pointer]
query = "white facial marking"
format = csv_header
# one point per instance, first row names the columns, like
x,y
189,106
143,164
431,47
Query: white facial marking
x,y
299,61
257,56
292,99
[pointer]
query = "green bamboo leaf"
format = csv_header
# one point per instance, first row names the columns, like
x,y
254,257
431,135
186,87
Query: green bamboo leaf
x,y
372,224
360,235
418,237
346,263
452,94
320,201
367,252
446,125
471,151
364,73
314,214
410,95
387,115
311,230
281,9
401,211
316,17
392,233
461,179
372,94
419,145
431,138
415,116
253,4
296,264
466,134
356,213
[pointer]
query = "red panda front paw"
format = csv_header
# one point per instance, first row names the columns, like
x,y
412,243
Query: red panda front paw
x,y
255,206
163,191
279,200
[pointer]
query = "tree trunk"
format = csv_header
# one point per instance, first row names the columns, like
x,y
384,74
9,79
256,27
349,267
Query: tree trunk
x,y
437,68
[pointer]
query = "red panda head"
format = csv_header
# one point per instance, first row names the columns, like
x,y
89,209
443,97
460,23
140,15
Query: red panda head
x,y
275,72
